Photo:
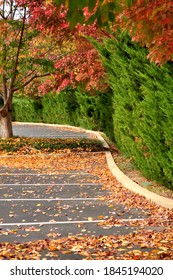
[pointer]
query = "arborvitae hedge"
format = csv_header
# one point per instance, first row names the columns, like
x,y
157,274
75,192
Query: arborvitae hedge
x,y
142,106
79,108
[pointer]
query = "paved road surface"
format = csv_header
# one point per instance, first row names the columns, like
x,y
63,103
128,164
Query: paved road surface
x,y
34,130
35,205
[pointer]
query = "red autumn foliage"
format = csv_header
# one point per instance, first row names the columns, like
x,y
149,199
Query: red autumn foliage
x,y
151,24
79,62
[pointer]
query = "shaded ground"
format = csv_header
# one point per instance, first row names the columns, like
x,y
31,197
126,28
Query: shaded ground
x,y
127,167
69,206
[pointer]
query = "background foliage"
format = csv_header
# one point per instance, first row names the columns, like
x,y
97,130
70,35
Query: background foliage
x,y
137,111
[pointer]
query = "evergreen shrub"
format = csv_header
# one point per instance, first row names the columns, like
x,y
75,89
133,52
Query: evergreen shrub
x,y
142,107
79,108
26,109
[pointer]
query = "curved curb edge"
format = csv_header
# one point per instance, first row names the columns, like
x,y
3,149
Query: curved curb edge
x,y
128,183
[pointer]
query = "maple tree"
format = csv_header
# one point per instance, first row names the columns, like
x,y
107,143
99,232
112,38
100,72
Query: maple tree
x,y
27,53
82,66
79,62
35,40
27,26
149,23
23,56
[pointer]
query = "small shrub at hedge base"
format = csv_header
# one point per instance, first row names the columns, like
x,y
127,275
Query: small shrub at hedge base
x,y
26,109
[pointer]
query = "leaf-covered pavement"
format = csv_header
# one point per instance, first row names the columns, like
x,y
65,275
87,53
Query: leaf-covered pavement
x,y
58,200
130,227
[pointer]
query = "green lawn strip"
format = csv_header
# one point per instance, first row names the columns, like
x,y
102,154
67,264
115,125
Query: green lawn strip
x,y
16,144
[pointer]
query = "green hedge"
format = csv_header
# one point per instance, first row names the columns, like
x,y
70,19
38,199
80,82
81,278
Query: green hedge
x,y
142,105
79,109
76,108
69,107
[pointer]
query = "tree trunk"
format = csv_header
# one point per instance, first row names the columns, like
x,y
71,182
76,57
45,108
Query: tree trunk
x,y
6,126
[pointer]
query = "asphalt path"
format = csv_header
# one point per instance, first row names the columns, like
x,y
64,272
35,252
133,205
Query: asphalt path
x,y
35,205
45,131
32,205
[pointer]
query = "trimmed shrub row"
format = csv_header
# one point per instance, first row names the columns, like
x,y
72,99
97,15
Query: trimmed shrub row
x,y
142,106
69,107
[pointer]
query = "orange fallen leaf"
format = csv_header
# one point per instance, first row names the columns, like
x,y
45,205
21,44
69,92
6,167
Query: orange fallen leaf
x,y
66,252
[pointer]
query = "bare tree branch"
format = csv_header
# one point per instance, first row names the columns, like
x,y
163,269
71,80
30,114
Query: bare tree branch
x,y
14,70
30,80
28,75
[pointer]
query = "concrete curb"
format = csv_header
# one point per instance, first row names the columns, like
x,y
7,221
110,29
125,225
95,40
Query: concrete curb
x,y
129,184
120,176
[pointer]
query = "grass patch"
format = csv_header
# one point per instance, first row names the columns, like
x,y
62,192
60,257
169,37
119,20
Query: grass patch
x,y
34,145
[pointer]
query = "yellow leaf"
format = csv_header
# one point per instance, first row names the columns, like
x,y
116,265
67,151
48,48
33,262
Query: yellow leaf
x,y
111,205
100,217
136,252
125,243
66,252
52,248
